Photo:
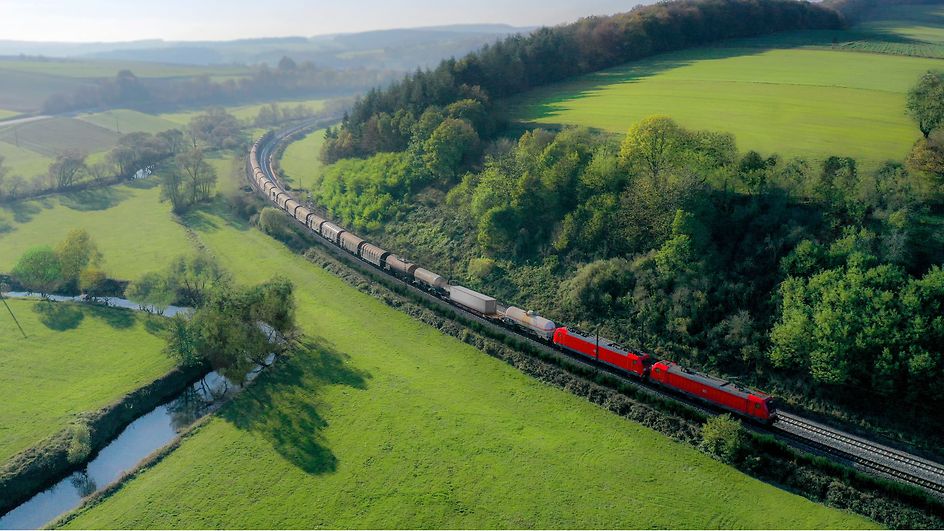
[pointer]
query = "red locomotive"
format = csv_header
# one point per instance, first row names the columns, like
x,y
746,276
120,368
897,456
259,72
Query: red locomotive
x,y
719,392
669,374
603,350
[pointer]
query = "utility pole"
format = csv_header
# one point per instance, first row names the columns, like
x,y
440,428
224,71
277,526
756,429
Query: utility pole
x,y
597,350
2,298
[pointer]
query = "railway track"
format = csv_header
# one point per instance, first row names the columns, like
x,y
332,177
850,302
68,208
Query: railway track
x,y
802,433
865,454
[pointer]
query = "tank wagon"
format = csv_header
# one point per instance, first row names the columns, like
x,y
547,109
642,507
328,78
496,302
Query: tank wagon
x,y
667,374
530,321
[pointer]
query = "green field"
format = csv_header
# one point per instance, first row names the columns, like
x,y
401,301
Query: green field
x,y
243,112
906,23
385,422
799,102
55,135
99,68
26,84
134,232
76,358
126,121
24,162
7,114
301,162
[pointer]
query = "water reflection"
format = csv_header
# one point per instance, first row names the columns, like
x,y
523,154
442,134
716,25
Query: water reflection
x,y
138,440
114,302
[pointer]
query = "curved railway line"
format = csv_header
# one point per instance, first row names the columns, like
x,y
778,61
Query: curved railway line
x,y
805,434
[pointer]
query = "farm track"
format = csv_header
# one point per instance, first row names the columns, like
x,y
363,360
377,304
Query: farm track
x,y
801,433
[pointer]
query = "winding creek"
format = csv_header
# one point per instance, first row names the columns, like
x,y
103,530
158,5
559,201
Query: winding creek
x,y
142,437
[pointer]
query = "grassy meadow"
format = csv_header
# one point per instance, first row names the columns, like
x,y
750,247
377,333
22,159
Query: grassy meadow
x,y
385,422
796,102
133,229
75,358
125,121
26,83
301,162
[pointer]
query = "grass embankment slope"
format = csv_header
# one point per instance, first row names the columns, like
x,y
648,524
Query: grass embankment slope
x,y
789,93
301,162
75,358
134,231
385,422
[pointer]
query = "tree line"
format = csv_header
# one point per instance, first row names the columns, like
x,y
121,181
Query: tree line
x,y
285,80
520,63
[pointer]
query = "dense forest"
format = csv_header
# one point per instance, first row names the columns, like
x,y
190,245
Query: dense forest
x,y
811,279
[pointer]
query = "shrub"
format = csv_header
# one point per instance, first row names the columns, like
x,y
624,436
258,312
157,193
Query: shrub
x,y
81,445
723,437
480,268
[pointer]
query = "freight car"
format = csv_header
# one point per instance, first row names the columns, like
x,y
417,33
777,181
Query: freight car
x,y
751,404
530,322
430,280
473,300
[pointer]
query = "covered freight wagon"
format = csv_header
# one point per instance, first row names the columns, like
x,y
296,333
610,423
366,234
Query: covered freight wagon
x,y
714,390
330,231
373,254
351,242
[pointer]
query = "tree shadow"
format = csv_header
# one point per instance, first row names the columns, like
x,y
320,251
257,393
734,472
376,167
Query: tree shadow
x,y
146,183
24,211
94,198
59,316
282,405
118,318
199,221
155,325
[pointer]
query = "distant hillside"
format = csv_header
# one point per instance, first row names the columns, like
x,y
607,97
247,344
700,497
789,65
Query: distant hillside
x,y
397,49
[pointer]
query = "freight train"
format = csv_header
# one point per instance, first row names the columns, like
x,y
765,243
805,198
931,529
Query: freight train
x,y
726,395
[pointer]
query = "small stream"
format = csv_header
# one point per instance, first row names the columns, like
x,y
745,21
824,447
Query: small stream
x,y
113,302
139,439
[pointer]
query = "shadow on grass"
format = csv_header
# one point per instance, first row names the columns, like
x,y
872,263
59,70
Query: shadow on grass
x,y
94,198
24,211
59,316
156,325
283,405
114,317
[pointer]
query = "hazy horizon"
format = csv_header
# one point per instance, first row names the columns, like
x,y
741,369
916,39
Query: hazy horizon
x,y
103,21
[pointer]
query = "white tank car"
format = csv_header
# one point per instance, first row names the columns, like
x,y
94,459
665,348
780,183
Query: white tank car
x,y
530,321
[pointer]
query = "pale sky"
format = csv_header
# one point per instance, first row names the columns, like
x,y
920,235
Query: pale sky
x,y
124,20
